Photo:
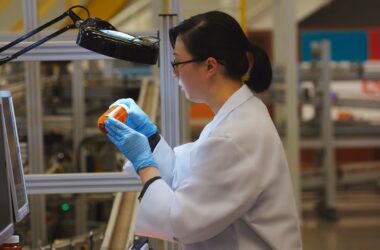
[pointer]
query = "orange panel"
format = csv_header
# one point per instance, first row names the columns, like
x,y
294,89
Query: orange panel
x,y
198,110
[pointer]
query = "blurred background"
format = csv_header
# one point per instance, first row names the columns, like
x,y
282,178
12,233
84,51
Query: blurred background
x,y
324,100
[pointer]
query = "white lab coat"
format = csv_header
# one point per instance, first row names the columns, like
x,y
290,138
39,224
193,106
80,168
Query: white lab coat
x,y
230,189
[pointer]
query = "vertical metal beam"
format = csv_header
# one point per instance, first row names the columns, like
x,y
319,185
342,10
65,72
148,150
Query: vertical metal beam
x,y
327,128
34,129
78,105
170,95
170,127
176,7
286,55
35,149
78,134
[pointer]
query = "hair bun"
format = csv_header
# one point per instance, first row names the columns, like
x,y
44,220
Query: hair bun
x,y
260,76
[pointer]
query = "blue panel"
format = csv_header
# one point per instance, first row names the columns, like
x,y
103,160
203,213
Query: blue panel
x,y
345,46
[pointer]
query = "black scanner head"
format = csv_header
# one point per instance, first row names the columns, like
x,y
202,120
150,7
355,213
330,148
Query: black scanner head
x,y
100,36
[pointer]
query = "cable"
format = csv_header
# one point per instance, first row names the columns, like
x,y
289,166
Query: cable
x,y
81,7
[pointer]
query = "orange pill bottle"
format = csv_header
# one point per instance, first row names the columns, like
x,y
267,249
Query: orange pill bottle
x,y
118,111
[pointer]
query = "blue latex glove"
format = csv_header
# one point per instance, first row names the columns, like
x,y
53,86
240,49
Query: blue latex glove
x,y
132,144
137,119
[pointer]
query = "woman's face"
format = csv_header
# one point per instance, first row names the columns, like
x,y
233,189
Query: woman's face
x,y
190,75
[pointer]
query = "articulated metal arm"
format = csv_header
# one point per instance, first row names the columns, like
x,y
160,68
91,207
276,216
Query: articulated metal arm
x,y
69,13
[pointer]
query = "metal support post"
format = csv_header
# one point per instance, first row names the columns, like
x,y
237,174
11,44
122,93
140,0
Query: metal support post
x,y
185,136
35,149
169,90
170,96
78,106
35,132
175,8
78,133
328,132
285,47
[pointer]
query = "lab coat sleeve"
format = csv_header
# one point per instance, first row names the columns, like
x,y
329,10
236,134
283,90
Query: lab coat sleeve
x,y
222,186
154,212
165,157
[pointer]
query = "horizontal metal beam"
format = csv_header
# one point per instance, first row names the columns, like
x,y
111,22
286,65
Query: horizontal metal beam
x,y
81,183
358,103
317,181
363,142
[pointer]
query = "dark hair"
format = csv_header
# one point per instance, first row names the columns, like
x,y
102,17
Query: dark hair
x,y
217,34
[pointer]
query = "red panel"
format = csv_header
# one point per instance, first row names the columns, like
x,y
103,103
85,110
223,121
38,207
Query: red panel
x,y
374,44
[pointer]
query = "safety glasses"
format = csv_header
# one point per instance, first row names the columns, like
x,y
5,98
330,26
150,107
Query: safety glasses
x,y
175,64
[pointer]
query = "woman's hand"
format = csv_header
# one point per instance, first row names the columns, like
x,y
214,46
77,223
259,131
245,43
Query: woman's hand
x,y
137,119
132,144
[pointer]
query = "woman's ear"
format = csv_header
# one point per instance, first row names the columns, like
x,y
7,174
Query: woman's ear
x,y
211,64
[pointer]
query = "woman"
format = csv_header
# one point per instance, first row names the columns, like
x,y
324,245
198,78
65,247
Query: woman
x,y
231,188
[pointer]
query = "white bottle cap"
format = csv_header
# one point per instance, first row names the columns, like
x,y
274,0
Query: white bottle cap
x,y
13,239
121,105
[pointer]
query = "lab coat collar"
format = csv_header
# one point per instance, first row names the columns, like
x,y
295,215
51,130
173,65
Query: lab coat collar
x,y
239,97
